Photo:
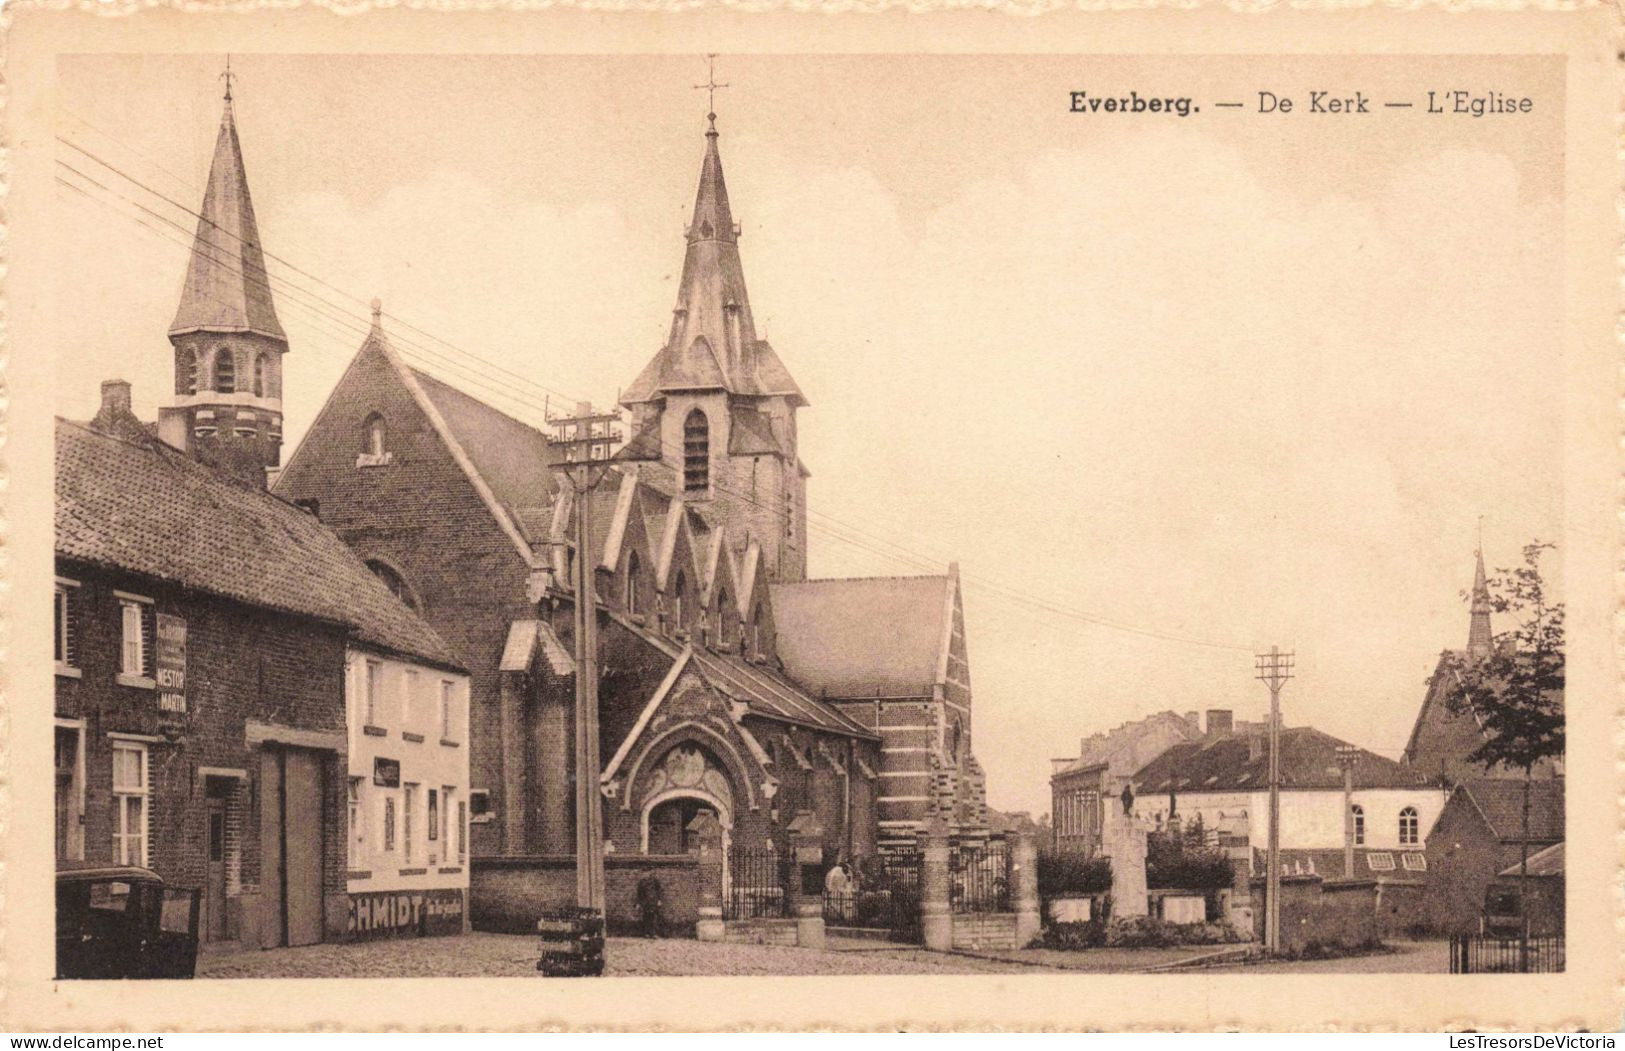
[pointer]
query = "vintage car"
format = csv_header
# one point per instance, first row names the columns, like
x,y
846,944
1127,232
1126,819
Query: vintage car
x,y
119,921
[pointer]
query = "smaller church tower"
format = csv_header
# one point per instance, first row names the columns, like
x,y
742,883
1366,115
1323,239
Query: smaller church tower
x,y
228,344
716,403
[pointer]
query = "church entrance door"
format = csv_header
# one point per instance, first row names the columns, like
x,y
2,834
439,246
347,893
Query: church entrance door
x,y
668,825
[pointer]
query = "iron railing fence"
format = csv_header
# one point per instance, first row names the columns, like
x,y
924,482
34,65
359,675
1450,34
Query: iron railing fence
x,y
1490,954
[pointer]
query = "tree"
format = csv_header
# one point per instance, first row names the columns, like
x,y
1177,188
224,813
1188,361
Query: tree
x,y
1516,689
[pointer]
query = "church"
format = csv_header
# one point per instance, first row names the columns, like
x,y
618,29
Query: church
x,y
732,685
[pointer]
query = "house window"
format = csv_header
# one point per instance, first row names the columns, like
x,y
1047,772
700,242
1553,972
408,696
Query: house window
x,y
136,627
634,565
696,453
409,693
69,801
479,806
66,641
358,827
446,804
1359,824
389,823
409,797
1409,828
462,832
225,370
448,710
371,672
434,814
259,375
129,803
394,582
677,591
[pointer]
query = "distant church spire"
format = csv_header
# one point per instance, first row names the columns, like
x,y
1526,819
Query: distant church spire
x,y
1478,636
226,288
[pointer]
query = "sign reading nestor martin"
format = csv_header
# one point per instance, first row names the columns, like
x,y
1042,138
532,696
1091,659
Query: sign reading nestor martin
x,y
171,664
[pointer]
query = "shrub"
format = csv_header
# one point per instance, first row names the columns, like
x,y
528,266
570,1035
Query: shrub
x,y
1061,874
1169,863
1146,932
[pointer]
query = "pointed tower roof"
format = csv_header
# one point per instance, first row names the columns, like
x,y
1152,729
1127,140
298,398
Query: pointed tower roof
x,y
227,289
712,344
1479,639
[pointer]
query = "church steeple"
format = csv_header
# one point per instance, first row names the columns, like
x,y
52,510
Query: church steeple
x,y
1478,635
227,409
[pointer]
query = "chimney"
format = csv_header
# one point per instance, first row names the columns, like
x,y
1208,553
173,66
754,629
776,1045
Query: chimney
x,y
1220,722
115,417
1256,745
1194,721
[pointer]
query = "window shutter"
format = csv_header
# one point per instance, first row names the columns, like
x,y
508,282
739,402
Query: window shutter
x,y
70,630
149,639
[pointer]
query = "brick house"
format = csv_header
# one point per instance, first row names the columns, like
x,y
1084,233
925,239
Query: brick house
x,y
1080,787
202,632
717,694
1479,835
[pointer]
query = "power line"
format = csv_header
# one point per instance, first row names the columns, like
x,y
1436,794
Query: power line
x,y
835,529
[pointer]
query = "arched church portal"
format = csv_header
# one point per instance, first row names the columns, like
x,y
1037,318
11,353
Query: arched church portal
x,y
687,782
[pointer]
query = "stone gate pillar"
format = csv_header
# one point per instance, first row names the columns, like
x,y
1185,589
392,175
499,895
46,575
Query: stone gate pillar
x,y
936,916
1024,888
709,926
805,837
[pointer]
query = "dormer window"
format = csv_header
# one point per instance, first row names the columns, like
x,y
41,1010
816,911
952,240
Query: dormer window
x,y
756,632
374,443
677,591
722,618
634,566
225,370
696,453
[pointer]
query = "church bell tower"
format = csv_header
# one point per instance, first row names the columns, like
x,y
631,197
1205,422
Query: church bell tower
x,y
228,344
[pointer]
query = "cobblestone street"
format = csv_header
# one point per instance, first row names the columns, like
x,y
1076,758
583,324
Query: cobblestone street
x,y
514,956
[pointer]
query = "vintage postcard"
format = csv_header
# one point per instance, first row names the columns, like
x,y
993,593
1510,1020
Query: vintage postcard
x,y
644,519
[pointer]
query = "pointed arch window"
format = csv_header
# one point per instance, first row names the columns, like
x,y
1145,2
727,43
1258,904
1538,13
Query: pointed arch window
x,y
756,631
696,452
374,443
1359,824
1410,830
194,369
679,591
261,371
634,567
722,617
225,370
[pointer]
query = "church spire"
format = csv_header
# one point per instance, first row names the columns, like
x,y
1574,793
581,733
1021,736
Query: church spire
x,y
227,289
1478,635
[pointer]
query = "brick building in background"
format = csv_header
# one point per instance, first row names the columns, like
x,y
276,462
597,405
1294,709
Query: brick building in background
x,y
203,627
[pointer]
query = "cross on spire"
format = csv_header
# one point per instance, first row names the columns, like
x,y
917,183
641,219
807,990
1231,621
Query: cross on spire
x,y
710,87
228,76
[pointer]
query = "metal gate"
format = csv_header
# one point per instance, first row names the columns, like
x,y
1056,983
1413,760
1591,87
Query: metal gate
x,y
757,885
978,877
901,875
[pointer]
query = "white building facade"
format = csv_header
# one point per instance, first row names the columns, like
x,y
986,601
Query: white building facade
x,y
407,810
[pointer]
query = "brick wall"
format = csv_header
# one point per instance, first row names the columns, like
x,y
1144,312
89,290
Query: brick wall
x,y
508,894
242,664
1325,912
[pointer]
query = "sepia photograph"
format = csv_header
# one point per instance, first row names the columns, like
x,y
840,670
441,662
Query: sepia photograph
x,y
706,513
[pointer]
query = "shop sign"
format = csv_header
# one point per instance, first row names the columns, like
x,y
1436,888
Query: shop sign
x,y
405,914
386,772
170,661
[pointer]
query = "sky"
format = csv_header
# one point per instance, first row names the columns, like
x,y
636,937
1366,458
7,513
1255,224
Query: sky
x,y
1166,389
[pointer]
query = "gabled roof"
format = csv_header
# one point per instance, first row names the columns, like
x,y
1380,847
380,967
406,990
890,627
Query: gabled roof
x,y
144,508
1548,862
1308,760
227,288
503,459
865,636
1500,801
772,695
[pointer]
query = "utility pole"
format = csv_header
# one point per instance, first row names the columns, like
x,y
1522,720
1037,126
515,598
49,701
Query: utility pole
x,y
1347,756
583,452
1274,669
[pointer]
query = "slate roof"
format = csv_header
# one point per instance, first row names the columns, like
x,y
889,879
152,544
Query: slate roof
x,y
227,288
1308,760
859,636
1548,862
145,508
1500,800
510,455
771,694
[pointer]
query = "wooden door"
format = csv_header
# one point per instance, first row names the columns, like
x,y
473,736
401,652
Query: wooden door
x,y
302,845
273,929
214,886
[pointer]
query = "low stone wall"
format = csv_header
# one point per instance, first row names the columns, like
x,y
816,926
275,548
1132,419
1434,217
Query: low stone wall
x,y
1341,913
507,894
760,932
985,930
